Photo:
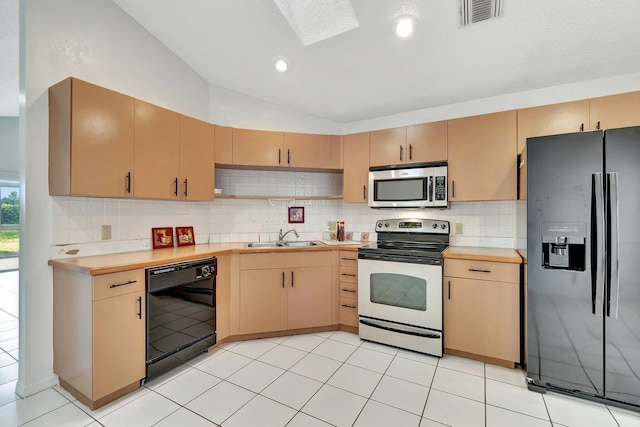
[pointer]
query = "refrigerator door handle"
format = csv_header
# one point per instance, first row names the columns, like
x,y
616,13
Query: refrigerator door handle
x,y
597,244
614,285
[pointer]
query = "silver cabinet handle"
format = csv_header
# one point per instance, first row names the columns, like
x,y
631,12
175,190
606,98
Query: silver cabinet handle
x,y
348,306
175,182
292,279
348,290
348,259
128,188
139,307
117,285
401,153
186,192
349,275
283,279
364,192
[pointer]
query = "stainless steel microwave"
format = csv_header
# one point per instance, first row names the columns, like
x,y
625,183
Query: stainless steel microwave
x,y
421,185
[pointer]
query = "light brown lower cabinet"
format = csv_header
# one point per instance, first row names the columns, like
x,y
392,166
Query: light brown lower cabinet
x,y
279,292
482,310
99,334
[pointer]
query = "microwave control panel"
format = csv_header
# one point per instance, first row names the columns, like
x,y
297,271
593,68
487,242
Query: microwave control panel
x,y
441,188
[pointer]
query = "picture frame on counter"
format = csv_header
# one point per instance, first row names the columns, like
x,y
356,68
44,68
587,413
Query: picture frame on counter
x,y
185,236
296,215
162,237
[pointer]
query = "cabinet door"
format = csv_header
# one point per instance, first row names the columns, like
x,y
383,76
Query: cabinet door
x,y
336,152
309,297
196,159
553,119
427,142
482,157
482,317
356,167
305,150
615,111
258,148
388,147
157,151
263,300
91,140
119,343
223,145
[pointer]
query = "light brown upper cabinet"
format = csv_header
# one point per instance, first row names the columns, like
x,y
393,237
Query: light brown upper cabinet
x,y
173,155
421,143
196,159
552,119
157,151
90,140
482,157
258,148
427,142
336,152
615,111
388,146
304,150
223,145
356,167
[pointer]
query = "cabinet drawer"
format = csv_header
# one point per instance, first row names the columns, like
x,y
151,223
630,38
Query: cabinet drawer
x,y
284,259
482,270
349,258
114,284
349,274
348,290
349,311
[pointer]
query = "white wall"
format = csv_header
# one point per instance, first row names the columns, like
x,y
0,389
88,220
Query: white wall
x,y
94,41
9,148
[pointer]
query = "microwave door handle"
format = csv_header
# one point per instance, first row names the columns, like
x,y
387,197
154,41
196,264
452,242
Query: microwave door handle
x,y
430,188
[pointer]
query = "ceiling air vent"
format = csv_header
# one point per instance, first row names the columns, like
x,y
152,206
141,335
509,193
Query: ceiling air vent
x,y
472,11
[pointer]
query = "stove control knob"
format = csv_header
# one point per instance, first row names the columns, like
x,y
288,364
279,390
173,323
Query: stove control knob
x,y
379,225
443,226
386,224
435,226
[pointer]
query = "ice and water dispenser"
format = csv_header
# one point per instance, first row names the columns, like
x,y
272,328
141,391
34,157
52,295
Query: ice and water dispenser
x,y
563,245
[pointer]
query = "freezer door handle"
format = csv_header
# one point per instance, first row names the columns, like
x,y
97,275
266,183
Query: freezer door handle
x,y
613,293
597,244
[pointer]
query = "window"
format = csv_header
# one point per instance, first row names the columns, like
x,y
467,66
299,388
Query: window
x,y
9,218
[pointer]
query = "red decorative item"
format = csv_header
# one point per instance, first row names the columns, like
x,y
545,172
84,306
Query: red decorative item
x,y
162,237
185,236
296,215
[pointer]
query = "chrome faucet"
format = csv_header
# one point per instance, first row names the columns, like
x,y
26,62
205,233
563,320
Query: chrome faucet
x,y
281,236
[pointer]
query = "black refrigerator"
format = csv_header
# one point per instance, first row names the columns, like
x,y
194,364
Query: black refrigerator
x,y
583,272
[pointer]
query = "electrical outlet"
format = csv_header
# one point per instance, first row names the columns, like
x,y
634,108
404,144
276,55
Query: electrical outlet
x,y
458,228
106,232
364,237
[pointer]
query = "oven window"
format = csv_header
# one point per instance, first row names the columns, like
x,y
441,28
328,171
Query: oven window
x,y
394,190
399,290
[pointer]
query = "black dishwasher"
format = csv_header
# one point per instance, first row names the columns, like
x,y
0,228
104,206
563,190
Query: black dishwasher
x,y
181,312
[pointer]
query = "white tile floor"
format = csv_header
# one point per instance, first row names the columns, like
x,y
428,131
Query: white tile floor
x,y
328,378
323,379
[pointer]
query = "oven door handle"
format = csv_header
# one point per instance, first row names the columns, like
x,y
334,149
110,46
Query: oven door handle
x,y
386,328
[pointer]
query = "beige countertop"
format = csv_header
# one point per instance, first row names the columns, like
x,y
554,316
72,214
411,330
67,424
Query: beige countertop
x,y
483,254
111,263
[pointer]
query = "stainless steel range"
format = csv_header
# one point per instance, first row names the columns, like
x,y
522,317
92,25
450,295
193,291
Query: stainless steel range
x,y
400,284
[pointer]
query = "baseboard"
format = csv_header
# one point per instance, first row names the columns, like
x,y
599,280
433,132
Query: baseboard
x,y
23,390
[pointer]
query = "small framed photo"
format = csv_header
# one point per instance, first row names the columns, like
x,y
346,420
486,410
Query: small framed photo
x,y
296,214
162,237
184,236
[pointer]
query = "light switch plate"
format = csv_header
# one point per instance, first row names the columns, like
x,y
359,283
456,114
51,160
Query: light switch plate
x,y
106,232
458,228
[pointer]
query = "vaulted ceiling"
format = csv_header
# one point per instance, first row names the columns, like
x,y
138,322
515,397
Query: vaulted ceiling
x,y
367,71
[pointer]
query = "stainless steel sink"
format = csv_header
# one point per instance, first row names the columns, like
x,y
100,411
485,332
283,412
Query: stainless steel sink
x,y
301,243
290,244
262,244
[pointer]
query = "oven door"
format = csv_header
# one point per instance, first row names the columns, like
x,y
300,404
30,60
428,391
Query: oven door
x,y
401,292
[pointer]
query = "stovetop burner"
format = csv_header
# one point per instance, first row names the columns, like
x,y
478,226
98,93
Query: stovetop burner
x,y
409,240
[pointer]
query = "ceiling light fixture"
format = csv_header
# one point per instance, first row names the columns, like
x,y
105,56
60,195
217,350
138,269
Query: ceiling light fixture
x,y
281,65
404,26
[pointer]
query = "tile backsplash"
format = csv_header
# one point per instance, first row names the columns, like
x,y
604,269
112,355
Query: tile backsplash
x,y
77,221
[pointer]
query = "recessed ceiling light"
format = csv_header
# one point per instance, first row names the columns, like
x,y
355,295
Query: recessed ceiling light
x,y
281,65
404,26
